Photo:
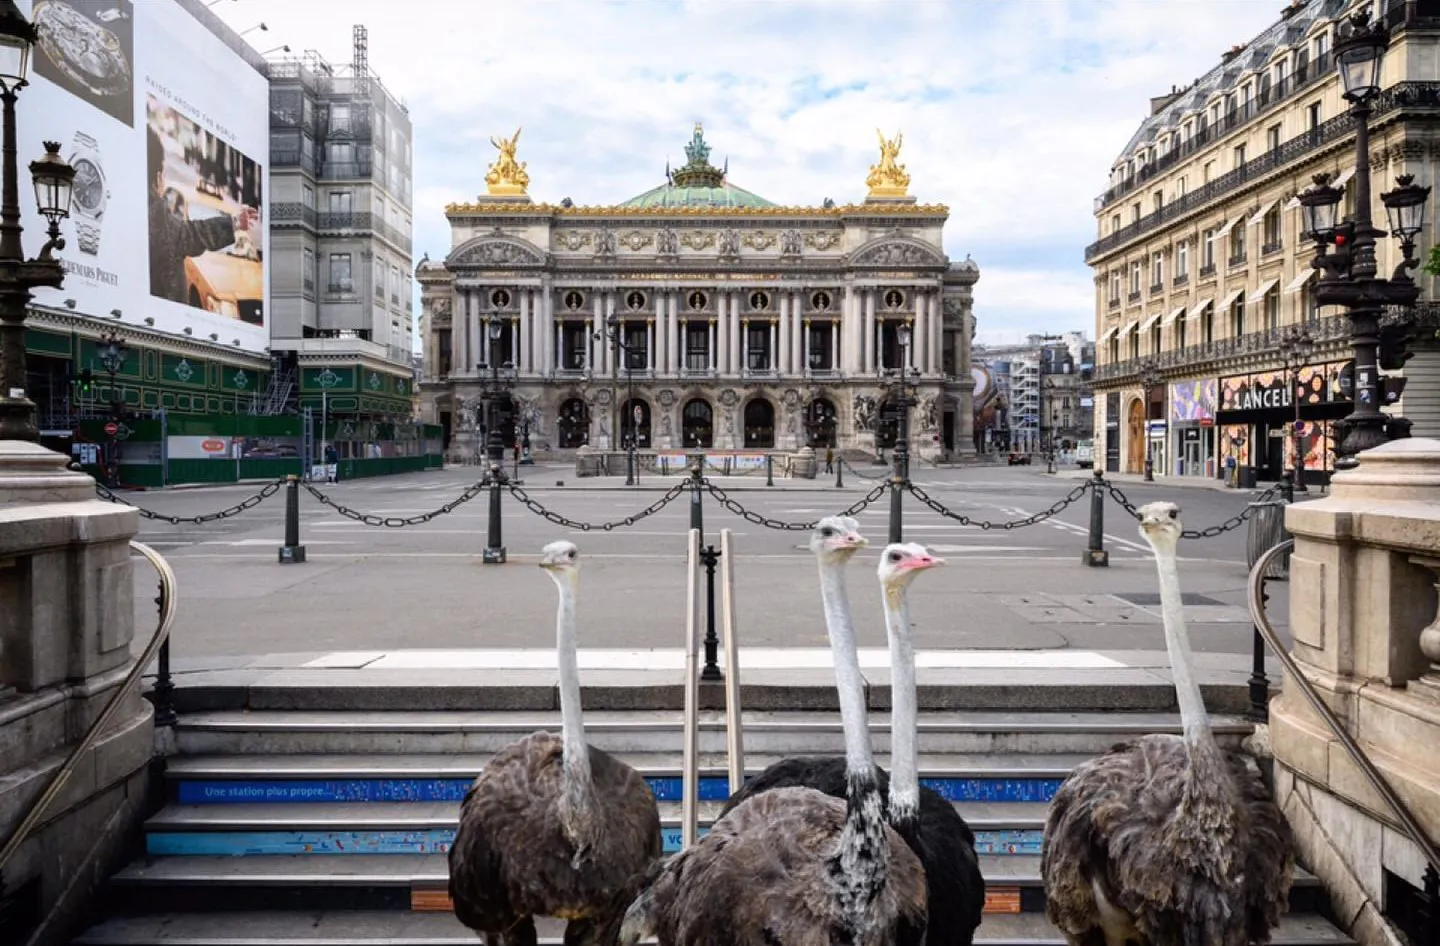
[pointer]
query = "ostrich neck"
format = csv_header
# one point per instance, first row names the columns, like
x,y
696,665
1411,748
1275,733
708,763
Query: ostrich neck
x,y
848,680
1193,718
572,728
904,776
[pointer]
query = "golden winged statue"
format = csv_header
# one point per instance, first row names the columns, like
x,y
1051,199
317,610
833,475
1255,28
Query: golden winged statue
x,y
888,178
507,177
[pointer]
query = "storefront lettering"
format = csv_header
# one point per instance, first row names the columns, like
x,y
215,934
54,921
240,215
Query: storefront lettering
x,y
1256,398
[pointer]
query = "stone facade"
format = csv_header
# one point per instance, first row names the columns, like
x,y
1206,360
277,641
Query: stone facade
x,y
740,325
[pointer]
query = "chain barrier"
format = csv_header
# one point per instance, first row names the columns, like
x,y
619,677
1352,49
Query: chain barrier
x,y
265,493
1073,497
733,506
669,497
883,477
398,522
1210,532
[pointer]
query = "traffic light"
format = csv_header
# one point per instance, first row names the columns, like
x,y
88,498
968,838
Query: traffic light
x,y
1391,388
87,381
1395,345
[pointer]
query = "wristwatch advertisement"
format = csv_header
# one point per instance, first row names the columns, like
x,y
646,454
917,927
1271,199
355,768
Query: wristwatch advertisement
x,y
90,194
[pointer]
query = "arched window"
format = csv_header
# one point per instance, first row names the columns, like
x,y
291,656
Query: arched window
x,y
573,423
759,424
697,424
635,422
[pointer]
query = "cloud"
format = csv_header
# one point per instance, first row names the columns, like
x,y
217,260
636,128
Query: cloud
x,y
1012,111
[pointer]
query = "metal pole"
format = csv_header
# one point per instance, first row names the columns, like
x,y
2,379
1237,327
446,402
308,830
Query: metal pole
x,y
1259,683
1095,554
710,557
17,412
839,472
769,469
292,552
1300,486
697,514
1365,427
494,553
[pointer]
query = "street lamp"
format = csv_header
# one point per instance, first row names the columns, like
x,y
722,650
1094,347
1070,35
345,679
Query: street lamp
x,y
1348,274
18,276
1149,381
617,347
112,352
901,397
490,393
1296,347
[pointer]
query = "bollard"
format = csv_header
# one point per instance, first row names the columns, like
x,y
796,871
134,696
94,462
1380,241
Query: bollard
x,y
292,552
1287,488
1259,683
897,488
664,465
494,553
839,473
769,470
710,557
697,515
1095,554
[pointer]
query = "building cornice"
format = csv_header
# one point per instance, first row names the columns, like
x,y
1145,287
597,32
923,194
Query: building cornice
x,y
90,327
483,208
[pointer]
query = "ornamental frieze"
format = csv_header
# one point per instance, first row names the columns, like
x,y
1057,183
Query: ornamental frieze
x,y
822,240
698,239
496,253
571,240
759,240
635,241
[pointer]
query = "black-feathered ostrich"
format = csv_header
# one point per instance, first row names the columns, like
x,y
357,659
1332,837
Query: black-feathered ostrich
x,y
794,865
928,823
552,826
1167,840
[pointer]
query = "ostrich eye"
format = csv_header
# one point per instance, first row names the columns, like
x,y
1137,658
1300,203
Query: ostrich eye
x,y
1174,513
895,556
827,532
570,554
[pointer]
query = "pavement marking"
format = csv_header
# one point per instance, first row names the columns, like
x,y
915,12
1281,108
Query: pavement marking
x,y
274,542
667,658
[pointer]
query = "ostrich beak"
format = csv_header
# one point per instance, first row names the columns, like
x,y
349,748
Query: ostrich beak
x,y
853,540
921,562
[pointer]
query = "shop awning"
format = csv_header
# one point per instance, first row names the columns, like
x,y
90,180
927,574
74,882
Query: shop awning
x,y
1109,334
1129,327
1229,300
1199,307
1259,215
1261,291
1150,322
1299,281
1229,225
1179,311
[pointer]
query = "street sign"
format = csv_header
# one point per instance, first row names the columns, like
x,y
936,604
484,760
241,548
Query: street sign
x,y
1299,427
112,428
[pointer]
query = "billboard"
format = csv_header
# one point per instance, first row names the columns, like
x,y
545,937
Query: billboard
x,y
167,129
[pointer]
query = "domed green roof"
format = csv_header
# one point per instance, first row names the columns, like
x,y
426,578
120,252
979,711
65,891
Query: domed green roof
x,y
697,184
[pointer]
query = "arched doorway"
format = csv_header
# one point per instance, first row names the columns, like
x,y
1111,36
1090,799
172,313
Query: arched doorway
x,y
1135,441
697,424
759,424
633,424
887,425
573,423
821,423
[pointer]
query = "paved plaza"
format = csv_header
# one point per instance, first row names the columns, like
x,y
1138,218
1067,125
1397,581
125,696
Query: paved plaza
x,y
424,587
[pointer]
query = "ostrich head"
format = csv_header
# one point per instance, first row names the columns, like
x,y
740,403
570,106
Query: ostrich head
x,y
835,539
901,562
562,560
1160,525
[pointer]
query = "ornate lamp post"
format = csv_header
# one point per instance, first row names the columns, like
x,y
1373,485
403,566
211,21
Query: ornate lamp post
x,y
1296,347
901,396
1348,273
18,276
1149,381
112,352
617,347
491,392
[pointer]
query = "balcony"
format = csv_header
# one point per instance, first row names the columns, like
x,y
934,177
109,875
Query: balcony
x,y
1114,302
1237,260
1156,288
373,223
1404,95
1325,329
1207,270
1269,248
1181,280
1134,296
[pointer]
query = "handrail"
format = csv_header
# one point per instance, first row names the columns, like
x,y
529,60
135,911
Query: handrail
x,y
57,782
1352,748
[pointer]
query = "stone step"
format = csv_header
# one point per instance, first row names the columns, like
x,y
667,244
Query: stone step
x,y
780,733
372,928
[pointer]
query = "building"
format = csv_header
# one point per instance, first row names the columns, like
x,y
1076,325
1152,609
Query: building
x,y
343,323
1201,266
1034,396
1067,402
715,318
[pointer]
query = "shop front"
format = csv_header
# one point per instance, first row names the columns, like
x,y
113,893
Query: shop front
x,y
1257,419
1192,425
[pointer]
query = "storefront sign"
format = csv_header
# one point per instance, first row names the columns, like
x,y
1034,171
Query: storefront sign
x,y
1270,390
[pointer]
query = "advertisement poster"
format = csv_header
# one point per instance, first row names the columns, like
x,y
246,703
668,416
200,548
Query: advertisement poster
x,y
167,129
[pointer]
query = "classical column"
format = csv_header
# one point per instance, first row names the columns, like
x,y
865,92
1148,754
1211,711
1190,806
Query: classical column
x,y
870,360
937,335
834,345
800,341
476,336
460,333
782,360
677,350
522,362
721,358
736,331
558,338
714,346
770,359
920,336
596,340
744,346
610,352
650,345
547,323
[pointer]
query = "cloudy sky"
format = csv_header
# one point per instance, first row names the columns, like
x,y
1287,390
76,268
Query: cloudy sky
x,y
1012,110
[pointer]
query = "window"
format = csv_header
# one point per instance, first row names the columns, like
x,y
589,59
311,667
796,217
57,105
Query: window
x,y
340,152
1282,68
1237,318
380,208
1321,46
757,345
1180,332
1209,171
697,346
637,346
1157,272
1312,116
572,345
307,195
1135,278
308,274
1207,325
407,292
1207,251
1182,261
1237,243
340,119
1157,201
1272,138
1115,224
394,285
341,278
1270,230
1180,188
1155,339
341,202
1238,159
1115,285
823,359
1272,310
377,277
1135,214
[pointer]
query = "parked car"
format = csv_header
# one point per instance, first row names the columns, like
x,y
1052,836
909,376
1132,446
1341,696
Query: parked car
x,y
1019,459
1085,454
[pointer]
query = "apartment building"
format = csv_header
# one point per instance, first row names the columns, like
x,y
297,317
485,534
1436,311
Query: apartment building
x,y
1201,267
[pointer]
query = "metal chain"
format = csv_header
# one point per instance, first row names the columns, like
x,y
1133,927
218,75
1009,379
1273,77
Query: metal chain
x,y
670,496
397,522
1210,532
264,494
884,477
769,523
964,520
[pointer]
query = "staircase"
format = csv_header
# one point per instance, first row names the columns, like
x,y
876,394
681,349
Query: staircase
x,y
277,398
328,827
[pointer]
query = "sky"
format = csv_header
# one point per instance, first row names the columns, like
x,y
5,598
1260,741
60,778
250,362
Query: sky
x,y
1012,110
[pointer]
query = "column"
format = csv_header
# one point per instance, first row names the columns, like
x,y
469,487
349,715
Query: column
x,y
523,363
714,347
547,327
736,331
472,334
937,335
609,348
662,335
772,361
593,360
558,337
849,315
781,359
721,360
868,357
482,331
676,349
460,333
920,337
744,345
834,344
650,345
800,340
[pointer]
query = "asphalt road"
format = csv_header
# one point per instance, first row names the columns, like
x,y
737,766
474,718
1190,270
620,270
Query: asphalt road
x,y
370,587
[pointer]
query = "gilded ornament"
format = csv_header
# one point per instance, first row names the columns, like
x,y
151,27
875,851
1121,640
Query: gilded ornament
x,y
888,178
507,177
551,210
697,239
571,240
822,240
758,240
635,241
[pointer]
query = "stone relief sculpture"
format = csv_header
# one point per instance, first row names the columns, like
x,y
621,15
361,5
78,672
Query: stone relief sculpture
x,y
666,243
507,177
864,412
730,421
605,243
790,243
665,425
572,240
635,241
667,398
729,243
496,253
823,240
698,239
759,240
729,398
927,414
897,254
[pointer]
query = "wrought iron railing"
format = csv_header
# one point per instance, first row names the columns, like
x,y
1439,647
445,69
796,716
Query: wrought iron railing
x,y
1325,329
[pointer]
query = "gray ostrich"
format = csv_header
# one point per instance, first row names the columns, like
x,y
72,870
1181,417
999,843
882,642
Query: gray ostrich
x,y
794,865
552,826
1167,840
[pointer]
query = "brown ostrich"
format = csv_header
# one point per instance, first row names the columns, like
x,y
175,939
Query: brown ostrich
x,y
552,826
1167,840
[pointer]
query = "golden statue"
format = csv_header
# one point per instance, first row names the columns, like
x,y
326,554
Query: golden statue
x,y
888,178
507,177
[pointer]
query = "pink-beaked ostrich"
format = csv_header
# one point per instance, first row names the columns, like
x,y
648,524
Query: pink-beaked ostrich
x,y
1167,840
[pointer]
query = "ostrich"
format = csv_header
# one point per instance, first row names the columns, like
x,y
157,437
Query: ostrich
x,y
553,827
935,832
795,865
1167,840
